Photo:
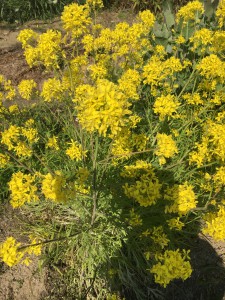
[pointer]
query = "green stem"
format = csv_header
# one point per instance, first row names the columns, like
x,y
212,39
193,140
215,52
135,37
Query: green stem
x,y
54,240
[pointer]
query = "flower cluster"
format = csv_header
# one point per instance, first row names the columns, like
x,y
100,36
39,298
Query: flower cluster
x,y
191,11
23,189
182,197
146,189
26,87
75,19
171,265
102,107
53,187
20,139
13,253
215,225
166,147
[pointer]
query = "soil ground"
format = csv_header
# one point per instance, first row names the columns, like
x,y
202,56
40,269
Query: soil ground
x,y
28,283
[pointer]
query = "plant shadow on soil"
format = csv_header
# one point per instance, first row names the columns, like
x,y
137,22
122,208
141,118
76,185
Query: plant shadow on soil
x,y
207,281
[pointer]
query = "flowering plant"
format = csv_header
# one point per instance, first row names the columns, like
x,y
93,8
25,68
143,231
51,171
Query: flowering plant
x,y
124,148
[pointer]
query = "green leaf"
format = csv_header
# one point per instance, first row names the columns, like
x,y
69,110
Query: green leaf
x,y
167,8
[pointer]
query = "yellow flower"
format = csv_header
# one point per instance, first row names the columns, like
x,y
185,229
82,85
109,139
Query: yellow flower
x,y
75,19
219,176
53,143
22,149
166,106
166,146
147,18
22,189
202,153
9,89
46,51
212,67
202,39
75,151
95,4
4,160
34,249
10,136
159,237
53,187
146,188
180,40
26,36
220,13
52,90
129,82
14,109
172,265
157,70
31,55
9,252
182,197
175,223
102,107
26,87
190,12
194,99
13,253
30,134
134,218
215,224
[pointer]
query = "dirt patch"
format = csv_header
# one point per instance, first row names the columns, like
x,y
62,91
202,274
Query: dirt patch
x,y
22,282
19,282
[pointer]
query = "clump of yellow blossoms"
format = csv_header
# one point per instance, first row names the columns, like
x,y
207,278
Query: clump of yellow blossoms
x,y
175,223
45,49
27,36
125,142
7,89
53,143
26,88
95,4
182,197
53,187
220,13
4,160
10,136
52,90
166,106
13,253
215,226
75,19
146,189
159,237
194,99
202,39
23,189
212,67
102,107
202,153
190,12
13,138
9,252
166,147
158,70
219,176
171,265
75,151
134,218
